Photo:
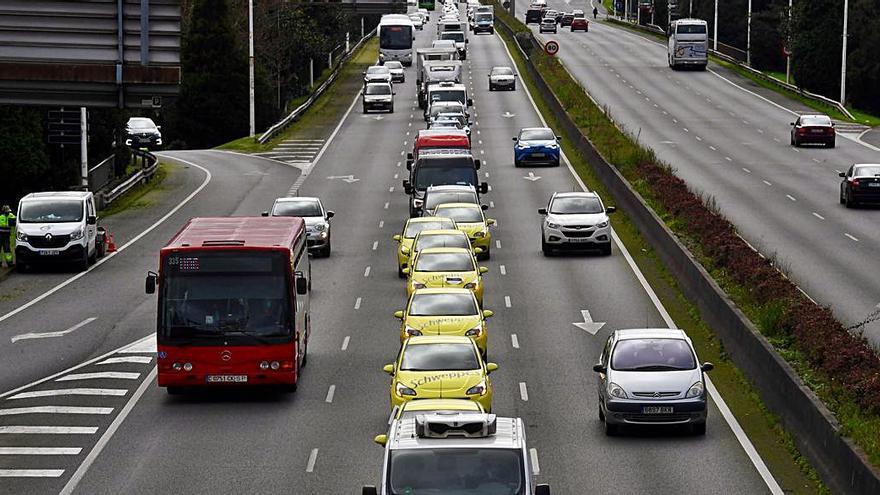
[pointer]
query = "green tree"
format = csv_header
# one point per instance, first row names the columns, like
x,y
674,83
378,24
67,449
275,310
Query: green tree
x,y
863,58
816,43
24,161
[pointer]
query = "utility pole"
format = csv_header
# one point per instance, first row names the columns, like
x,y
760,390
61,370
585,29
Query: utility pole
x,y
253,123
691,8
84,147
788,48
715,27
749,38
653,8
843,56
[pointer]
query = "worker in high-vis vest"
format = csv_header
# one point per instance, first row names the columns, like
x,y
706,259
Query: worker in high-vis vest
x,y
7,225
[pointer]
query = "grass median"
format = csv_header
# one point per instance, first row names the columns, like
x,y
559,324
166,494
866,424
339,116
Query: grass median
x,y
140,196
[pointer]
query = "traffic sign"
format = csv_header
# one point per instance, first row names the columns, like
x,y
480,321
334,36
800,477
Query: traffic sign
x,y
551,47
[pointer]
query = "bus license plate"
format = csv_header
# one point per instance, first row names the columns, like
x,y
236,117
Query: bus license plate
x,y
49,252
227,378
657,410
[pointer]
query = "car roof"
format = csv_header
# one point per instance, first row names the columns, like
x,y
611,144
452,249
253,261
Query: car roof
x,y
439,339
298,199
58,195
576,194
509,434
650,333
383,84
460,205
536,129
444,290
452,188
425,219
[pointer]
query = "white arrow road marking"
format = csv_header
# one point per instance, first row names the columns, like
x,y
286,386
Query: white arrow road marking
x,y
27,336
40,450
532,177
508,115
589,325
31,473
346,178
117,392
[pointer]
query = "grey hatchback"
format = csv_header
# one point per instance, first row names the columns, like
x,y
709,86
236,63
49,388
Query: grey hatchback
x,y
651,377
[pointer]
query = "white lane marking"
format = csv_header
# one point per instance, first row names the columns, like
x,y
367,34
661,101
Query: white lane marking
x,y
330,392
712,148
49,430
746,170
128,359
101,375
507,301
375,245
685,129
728,158
699,138
523,392
386,206
313,457
820,217
744,441
789,196
327,143
357,304
146,345
105,438
398,164
110,392
514,341
345,342
391,189
396,176
533,455
498,244
40,450
765,182
491,204
816,160
46,335
367,272
381,224
850,236
14,411
31,473
503,269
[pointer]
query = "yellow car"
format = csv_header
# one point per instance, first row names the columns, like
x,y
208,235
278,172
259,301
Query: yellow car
x,y
445,268
413,407
438,238
444,312
440,367
410,229
470,220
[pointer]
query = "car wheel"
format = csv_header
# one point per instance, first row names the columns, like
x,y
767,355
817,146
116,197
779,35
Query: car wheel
x,y
791,140
842,201
365,109
485,254
610,429
796,143
606,249
289,389
832,144
556,163
83,264
698,429
491,88
492,31
516,163
545,248
21,267
391,110
325,251
848,202
601,414
400,273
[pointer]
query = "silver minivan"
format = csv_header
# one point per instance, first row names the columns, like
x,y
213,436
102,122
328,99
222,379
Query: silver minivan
x,y
57,227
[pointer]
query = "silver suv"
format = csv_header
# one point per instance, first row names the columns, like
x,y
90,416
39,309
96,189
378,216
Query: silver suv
x,y
576,221
316,217
455,452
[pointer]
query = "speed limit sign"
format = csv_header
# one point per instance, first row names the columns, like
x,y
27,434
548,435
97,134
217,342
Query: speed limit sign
x,y
551,48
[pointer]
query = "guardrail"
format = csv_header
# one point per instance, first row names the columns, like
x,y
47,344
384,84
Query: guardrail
x,y
292,116
101,177
842,465
733,60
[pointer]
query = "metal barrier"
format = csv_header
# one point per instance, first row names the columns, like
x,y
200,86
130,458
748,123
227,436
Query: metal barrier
x,y
295,114
102,175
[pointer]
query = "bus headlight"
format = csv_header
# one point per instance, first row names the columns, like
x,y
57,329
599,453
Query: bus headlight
x,y
275,365
187,367
264,365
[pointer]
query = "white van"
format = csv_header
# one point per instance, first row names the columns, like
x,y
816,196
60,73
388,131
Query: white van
x,y
688,44
57,227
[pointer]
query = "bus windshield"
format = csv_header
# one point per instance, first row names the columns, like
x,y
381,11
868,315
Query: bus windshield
x,y
225,295
442,471
395,37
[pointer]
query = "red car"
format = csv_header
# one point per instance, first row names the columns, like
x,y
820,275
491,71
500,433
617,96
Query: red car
x,y
580,23
813,129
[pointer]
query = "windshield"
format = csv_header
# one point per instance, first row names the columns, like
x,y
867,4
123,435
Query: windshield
x,y
652,355
51,211
576,206
483,17
871,170
448,95
395,37
537,135
456,36
438,198
218,295
445,172
378,89
393,64
445,262
413,228
470,471
691,29
439,357
502,71
380,70
461,214
443,305
296,209
144,124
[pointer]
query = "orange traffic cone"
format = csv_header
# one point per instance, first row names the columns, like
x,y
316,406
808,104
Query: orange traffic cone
x,y
111,243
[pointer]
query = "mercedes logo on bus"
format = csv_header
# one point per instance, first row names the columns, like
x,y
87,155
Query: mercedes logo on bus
x,y
226,355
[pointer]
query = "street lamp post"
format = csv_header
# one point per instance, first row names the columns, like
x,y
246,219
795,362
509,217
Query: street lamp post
x,y
251,67
715,27
843,56
749,38
788,48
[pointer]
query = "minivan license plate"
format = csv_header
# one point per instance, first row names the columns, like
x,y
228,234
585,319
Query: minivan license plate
x,y
657,410
49,252
227,378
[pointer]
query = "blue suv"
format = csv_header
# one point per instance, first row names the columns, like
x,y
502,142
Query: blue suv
x,y
536,146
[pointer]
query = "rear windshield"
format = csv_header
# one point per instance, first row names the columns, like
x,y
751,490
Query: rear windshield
x,y
297,209
483,17
537,135
51,211
456,36
378,89
652,355
815,121
393,64
502,71
869,171
576,206
377,70
445,262
414,228
438,198
691,29
443,305
461,214
437,357
460,471
448,95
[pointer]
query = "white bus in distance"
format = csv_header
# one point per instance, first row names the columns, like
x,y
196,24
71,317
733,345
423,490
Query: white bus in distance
x,y
688,44
396,38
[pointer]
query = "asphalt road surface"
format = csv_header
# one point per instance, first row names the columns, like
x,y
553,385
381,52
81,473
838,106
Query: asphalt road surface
x,y
134,438
729,139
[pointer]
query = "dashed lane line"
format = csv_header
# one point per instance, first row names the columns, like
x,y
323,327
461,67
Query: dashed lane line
x,y
367,272
313,458
345,342
330,392
14,411
375,245
851,236
48,430
357,303
820,217
507,301
514,341
523,392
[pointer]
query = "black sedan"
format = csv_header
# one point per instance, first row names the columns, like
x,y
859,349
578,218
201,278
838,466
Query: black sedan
x,y
861,184
816,129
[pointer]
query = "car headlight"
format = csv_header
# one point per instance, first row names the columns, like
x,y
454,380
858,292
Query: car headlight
x,y
418,203
478,389
696,390
404,390
76,235
412,332
417,285
479,234
475,332
553,225
320,227
614,390
21,237
602,225
470,285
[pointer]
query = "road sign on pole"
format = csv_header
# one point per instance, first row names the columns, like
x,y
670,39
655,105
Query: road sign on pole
x,y
551,48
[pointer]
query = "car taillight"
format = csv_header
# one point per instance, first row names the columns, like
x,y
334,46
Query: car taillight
x,y
802,131
855,182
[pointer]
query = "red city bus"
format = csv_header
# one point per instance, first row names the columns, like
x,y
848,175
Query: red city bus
x,y
233,303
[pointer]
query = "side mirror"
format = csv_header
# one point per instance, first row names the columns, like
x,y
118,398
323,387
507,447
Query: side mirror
x,y
559,138
404,250
490,367
91,220
542,211
265,214
470,102
515,139
302,286
150,283
330,214
488,313
398,314
490,221
159,127
388,368
599,368
393,93
371,490
842,174
405,271
610,209
478,250
539,490
410,157
791,123
478,163
484,187
409,162
707,366
381,439
484,207
483,269
396,237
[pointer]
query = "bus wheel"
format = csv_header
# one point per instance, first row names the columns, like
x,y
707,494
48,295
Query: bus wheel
x,y
174,390
288,389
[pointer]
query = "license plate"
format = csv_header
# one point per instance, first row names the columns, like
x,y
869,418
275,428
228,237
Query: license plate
x,y
874,184
657,410
578,239
538,155
49,252
227,379
817,131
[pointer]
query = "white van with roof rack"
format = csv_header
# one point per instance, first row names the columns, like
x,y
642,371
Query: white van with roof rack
x,y
455,452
